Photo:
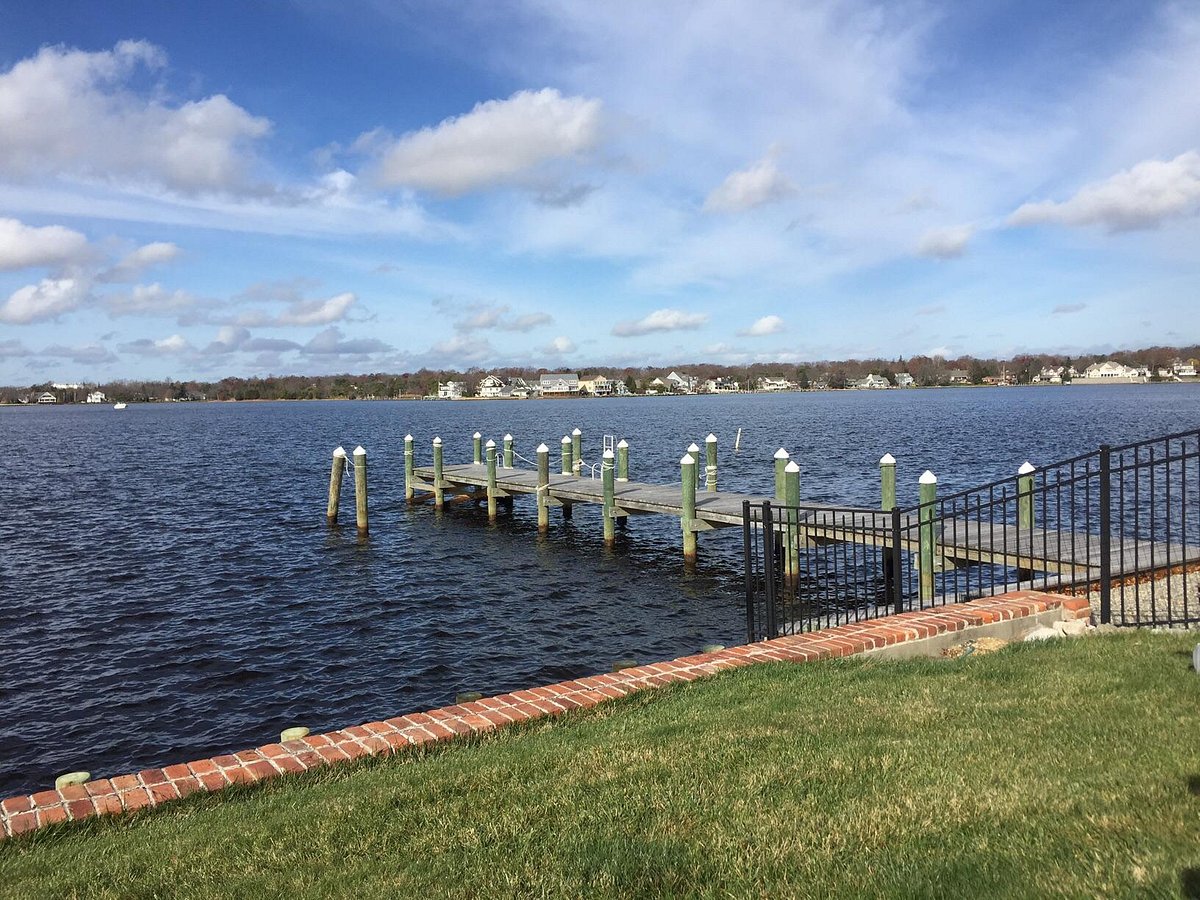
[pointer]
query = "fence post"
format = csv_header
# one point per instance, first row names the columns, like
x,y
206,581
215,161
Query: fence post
x,y
607,467
887,481
1025,499
508,451
409,490
623,460
439,493
687,467
791,518
710,469
476,444
748,570
1106,534
360,489
335,485
768,525
543,491
894,562
927,547
577,451
491,480
781,461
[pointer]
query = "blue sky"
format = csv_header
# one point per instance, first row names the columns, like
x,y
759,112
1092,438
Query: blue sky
x,y
201,190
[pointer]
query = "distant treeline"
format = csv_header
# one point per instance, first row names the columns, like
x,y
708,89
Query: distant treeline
x,y
927,371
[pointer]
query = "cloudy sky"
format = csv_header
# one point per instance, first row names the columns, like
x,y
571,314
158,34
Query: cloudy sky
x,y
350,185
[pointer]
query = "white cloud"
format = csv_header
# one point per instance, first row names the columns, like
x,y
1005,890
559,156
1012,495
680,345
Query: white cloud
x,y
489,317
82,354
497,142
66,111
764,326
745,189
24,246
317,312
150,300
48,299
331,343
559,346
174,345
945,243
133,264
661,320
1146,196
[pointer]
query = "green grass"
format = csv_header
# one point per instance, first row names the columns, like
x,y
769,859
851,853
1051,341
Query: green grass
x,y
1069,768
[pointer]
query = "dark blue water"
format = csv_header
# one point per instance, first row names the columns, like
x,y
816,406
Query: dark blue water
x,y
169,588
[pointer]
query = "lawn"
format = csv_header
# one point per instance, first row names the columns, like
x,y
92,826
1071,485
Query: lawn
x,y
1064,768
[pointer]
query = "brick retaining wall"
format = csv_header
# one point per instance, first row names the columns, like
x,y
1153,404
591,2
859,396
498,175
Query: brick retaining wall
x,y
153,787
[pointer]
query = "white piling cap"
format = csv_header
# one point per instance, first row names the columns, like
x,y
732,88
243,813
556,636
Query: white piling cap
x,y
608,454
340,451
566,439
477,435
781,454
576,433
1027,469
359,451
887,460
491,445
791,467
928,478
542,448
623,443
408,438
712,438
437,442
508,437
692,448
687,460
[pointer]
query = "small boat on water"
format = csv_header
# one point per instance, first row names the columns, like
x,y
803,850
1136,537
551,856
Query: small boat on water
x,y
118,406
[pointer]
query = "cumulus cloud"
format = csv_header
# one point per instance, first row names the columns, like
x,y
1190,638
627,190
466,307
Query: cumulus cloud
x,y
1145,196
945,243
75,112
331,343
149,300
661,320
231,339
133,264
24,246
173,345
745,189
82,354
13,349
493,317
463,349
48,299
559,346
497,142
304,312
764,326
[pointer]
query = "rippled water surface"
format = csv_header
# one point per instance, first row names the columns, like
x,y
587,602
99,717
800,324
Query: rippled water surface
x,y
169,588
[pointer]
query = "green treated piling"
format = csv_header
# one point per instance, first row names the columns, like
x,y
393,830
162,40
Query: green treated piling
x,y
409,465
508,451
687,467
543,492
710,468
491,480
927,546
335,485
887,482
360,489
781,461
477,448
623,460
791,499
566,455
608,470
439,492
694,451
1025,496
577,451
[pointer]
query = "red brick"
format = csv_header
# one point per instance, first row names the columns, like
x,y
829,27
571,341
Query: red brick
x,y
51,815
98,787
15,805
496,718
212,781
227,761
22,822
356,731
80,809
379,728
73,792
161,793
262,769
187,785
317,741
332,754
289,764
46,798
176,771
152,776
134,798
202,767
352,749
107,804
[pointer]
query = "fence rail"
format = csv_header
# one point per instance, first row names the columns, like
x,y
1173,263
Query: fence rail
x,y
1118,525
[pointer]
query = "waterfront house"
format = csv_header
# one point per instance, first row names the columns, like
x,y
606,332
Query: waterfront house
x,y
599,386
903,379
451,390
775,384
561,384
682,383
871,382
518,389
96,397
1181,369
1109,372
47,397
721,386
958,376
491,386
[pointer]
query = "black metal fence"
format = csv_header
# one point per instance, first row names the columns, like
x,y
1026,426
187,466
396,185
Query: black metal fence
x,y
1120,525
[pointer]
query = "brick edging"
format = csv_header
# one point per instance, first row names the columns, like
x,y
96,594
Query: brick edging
x,y
153,787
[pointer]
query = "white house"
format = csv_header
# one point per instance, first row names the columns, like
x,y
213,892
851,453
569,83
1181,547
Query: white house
x,y
1109,372
561,384
1183,369
47,397
872,382
597,387
519,389
774,384
451,390
903,379
491,386
721,386
96,397
682,382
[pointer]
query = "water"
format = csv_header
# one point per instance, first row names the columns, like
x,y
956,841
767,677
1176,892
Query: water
x,y
169,589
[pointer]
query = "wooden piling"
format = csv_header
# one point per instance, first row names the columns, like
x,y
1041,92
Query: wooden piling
x,y
360,489
409,465
543,491
687,467
577,451
927,547
508,451
608,475
791,516
491,480
737,442
623,460
887,482
694,451
477,448
710,469
1025,496
335,484
439,490
566,455
781,461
